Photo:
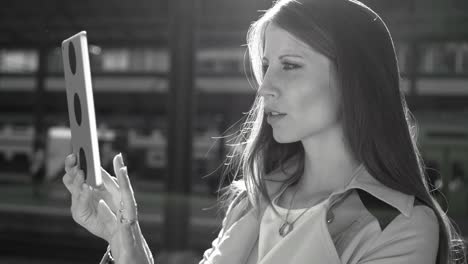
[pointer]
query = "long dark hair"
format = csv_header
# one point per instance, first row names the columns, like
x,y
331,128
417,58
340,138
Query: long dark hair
x,y
379,128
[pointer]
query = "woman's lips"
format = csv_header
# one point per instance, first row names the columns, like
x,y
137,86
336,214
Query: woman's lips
x,y
272,119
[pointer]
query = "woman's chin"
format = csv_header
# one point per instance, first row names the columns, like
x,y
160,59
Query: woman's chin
x,y
282,139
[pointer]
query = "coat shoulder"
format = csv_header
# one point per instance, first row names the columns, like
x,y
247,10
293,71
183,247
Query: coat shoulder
x,y
413,239
385,213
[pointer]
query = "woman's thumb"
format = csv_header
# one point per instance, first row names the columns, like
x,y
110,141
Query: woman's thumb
x,y
118,163
105,213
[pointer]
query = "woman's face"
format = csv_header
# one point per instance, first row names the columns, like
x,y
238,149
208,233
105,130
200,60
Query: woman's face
x,y
299,82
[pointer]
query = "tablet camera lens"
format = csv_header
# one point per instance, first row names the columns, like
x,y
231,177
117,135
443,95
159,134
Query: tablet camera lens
x,y
77,103
83,165
72,57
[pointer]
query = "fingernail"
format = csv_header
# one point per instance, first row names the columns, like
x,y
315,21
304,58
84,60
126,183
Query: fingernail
x,y
121,159
124,170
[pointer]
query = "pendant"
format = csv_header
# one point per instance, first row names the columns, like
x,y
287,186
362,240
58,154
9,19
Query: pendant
x,y
285,229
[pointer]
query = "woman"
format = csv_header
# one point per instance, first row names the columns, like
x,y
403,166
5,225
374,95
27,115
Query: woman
x,y
328,170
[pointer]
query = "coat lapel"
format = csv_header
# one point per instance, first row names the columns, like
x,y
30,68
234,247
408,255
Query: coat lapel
x,y
238,240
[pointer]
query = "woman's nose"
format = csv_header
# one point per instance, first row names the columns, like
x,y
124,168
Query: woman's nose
x,y
267,90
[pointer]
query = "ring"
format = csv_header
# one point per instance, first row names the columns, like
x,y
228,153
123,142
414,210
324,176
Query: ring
x,y
121,208
122,219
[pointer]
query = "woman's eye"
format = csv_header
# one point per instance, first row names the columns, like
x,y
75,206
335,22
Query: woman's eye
x,y
286,66
289,66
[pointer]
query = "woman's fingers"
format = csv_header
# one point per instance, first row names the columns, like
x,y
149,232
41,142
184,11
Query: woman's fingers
x,y
70,161
109,181
127,216
68,181
129,233
85,193
105,213
82,194
111,192
126,192
79,178
72,180
118,163
129,211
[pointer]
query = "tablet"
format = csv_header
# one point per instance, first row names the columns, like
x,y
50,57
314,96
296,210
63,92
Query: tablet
x,y
81,106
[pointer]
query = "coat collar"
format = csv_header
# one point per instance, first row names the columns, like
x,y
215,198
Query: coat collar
x,y
362,179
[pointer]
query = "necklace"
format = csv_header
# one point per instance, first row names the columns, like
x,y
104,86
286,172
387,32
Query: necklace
x,y
286,227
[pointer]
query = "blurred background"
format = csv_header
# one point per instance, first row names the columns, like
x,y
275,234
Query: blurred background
x,y
169,84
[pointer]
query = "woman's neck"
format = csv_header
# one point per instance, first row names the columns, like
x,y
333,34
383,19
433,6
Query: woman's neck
x,y
328,165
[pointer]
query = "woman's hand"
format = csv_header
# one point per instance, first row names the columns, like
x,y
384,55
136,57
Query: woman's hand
x,y
127,243
93,208
108,211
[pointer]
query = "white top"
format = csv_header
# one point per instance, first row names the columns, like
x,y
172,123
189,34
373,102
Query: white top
x,y
270,224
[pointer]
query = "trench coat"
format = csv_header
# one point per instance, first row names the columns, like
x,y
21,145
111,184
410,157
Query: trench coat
x,y
366,222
